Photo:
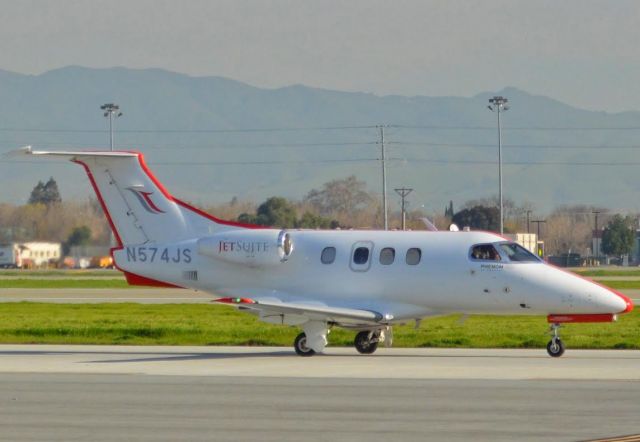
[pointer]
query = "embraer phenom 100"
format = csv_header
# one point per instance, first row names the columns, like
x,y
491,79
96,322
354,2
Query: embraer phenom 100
x,y
357,279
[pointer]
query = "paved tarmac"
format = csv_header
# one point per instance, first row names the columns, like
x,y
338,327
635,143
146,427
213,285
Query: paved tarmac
x,y
64,393
139,295
95,296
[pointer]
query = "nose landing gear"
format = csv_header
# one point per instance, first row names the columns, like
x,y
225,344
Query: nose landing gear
x,y
555,347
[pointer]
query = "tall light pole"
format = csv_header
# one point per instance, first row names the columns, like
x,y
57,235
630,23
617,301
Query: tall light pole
x,y
403,192
498,105
111,111
528,223
596,213
384,179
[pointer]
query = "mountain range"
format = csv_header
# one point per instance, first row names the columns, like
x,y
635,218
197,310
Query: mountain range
x,y
210,139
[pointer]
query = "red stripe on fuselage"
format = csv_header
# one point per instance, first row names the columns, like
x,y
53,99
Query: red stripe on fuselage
x,y
133,279
561,319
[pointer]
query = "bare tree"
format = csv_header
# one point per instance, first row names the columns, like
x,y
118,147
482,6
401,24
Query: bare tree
x,y
570,229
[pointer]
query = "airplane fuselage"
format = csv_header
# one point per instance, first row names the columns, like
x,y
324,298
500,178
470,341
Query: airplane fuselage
x,y
445,278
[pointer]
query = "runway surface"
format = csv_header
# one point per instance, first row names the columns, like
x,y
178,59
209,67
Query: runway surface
x,y
235,393
95,296
138,295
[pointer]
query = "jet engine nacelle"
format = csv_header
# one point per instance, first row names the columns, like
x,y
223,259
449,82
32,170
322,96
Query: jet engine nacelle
x,y
253,248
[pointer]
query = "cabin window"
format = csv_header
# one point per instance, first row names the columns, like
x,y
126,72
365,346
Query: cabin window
x,y
387,256
361,255
485,252
517,253
413,256
328,255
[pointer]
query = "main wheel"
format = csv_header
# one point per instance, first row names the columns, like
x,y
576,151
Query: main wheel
x,y
300,345
555,348
364,345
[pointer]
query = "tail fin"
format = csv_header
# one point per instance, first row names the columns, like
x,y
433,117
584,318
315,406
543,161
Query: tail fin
x,y
139,209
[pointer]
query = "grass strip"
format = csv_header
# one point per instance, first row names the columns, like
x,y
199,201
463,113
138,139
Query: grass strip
x,y
602,272
68,273
63,284
620,284
201,324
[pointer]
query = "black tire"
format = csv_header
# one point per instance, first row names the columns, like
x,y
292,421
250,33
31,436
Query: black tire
x,y
363,345
555,349
300,346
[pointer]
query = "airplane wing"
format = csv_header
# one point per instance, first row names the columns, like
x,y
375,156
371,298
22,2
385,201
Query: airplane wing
x,y
275,309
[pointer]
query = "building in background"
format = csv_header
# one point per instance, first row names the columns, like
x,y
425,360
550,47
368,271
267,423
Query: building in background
x,y
30,254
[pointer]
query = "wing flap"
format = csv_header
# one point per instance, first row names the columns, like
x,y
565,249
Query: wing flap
x,y
334,313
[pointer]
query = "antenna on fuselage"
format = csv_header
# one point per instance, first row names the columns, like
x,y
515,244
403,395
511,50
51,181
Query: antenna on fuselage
x,y
429,225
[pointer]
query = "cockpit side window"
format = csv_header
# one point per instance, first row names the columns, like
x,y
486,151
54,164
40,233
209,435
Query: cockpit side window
x,y
485,252
517,253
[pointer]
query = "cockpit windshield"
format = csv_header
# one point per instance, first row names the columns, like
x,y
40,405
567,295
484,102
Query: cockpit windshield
x,y
517,253
485,252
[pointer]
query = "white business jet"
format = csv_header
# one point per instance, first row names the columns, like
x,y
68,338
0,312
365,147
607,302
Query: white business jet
x,y
357,279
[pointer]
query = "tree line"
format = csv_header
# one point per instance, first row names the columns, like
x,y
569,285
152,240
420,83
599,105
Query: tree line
x,y
341,203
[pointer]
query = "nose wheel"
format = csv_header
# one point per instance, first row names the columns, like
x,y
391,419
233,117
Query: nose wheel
x,y
555,347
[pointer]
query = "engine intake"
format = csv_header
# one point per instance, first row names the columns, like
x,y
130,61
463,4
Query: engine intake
x,y
253,248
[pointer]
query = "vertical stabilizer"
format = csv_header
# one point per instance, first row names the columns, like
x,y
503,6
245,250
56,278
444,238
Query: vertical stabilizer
x,y
139,209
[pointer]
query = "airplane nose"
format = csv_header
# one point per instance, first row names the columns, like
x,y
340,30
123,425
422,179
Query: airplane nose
x,y
618,302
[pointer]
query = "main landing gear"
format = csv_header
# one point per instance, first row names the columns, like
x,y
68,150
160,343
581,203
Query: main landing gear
x,y
366,342
300,346
314,339
555,347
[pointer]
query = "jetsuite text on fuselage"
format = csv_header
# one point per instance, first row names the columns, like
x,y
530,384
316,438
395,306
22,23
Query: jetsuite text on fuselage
x,y
238,246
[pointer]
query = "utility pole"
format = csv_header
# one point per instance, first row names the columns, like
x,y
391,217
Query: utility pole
x,y
403,192
528,223
111,111
384,179
498,105
538,222
597,234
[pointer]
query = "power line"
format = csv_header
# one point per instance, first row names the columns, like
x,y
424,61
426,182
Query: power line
x,y
516,128
319,128
513,146
356,160
516,163
161,146
272,129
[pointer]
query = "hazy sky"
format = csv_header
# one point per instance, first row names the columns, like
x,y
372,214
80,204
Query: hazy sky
x,y
586,53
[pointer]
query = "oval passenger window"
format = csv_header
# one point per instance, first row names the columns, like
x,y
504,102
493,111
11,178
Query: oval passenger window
x,y
387,256
328,255
413,256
